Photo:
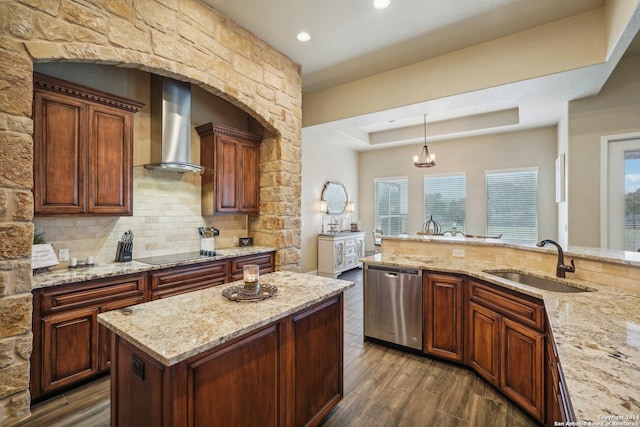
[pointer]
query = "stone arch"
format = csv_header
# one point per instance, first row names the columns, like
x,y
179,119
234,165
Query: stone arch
x,y
188,40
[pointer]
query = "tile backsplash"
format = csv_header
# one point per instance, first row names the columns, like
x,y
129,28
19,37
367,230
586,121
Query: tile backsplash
x,y
166,217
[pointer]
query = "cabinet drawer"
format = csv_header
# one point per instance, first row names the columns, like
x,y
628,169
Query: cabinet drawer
x,y
92,293
517,307
349,250
177,280
264,261
349,242
350,261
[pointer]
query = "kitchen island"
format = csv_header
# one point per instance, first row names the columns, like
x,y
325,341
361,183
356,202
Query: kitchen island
x,y
201,359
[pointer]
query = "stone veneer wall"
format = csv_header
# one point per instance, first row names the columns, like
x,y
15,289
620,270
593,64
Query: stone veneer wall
x,y
178,38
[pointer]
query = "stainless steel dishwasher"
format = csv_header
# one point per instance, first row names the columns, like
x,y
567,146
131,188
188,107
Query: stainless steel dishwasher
x,y
393,305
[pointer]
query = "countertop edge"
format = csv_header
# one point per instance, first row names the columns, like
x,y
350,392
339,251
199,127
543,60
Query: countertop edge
x,y
107,319
114,269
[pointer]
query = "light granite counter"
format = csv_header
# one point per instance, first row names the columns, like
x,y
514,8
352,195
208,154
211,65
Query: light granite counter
x,y
114,269
173,329
597,334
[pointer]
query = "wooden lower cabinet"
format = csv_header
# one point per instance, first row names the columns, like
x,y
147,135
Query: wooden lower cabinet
x,y
506,352
443,314
178,280
68,344
522,366
104,335
264,261
287,373
483,335
317,348
68,348
172,281
558,405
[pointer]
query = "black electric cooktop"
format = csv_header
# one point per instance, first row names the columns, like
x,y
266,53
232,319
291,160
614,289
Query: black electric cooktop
x,y
167,259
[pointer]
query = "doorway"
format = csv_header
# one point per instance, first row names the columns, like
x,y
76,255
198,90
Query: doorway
x,y
621,213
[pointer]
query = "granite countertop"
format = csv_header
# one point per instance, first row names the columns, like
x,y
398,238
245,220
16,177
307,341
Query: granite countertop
x,y
596,254
173,329
113,269
597,334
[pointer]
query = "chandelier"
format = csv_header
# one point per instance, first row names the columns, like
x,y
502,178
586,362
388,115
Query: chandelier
x,y
425,160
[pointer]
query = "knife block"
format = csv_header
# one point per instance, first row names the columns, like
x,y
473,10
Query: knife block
x,y
122,254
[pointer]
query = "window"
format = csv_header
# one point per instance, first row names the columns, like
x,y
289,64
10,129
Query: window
x,y
444,199
391,205
512,204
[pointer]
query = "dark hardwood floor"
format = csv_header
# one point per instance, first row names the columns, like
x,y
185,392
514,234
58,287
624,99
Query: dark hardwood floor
x,y
382,387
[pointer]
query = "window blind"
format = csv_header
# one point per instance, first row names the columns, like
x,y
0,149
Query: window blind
x,y
391,206
444,199
512,205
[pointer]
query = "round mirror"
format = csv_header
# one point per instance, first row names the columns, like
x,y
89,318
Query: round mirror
x,y
336,197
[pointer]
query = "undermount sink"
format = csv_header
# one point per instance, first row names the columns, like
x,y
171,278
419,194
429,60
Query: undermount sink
x,y
537,282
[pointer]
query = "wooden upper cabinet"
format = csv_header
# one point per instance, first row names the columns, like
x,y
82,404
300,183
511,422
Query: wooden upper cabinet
x,y
83,149
233,155
59,153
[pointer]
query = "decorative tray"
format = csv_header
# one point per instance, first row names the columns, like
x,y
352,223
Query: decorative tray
x,y
237,293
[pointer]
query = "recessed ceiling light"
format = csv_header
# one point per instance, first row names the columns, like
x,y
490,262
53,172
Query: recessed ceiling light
x,y
381,4
303,36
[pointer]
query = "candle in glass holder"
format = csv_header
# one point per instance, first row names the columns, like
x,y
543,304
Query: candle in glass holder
x,y
251,273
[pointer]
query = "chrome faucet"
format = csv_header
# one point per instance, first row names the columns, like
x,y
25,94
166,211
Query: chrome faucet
x,y
561,268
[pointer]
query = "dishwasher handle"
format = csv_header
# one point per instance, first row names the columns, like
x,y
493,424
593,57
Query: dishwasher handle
x,y
394,271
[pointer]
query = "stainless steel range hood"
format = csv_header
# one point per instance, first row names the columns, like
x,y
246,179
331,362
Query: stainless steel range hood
x,y
171,126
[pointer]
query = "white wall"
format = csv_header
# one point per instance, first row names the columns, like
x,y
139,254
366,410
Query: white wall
x,y
474,155
614,111
321,162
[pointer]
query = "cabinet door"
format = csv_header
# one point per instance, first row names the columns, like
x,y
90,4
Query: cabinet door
x,y
338,255
522,366
443,316
240,384
227,159
69,348
317,346
360,248
248,178
109,160
59,165
104,335
234,156
484,339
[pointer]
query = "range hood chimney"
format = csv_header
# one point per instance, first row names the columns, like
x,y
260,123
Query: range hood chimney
x,y
171,126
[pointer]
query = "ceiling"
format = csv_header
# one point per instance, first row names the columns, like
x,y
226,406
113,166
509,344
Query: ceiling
x,y
351,40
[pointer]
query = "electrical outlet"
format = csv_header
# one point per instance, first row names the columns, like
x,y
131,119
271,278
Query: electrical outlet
x,y
137,366
458,253
63,254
